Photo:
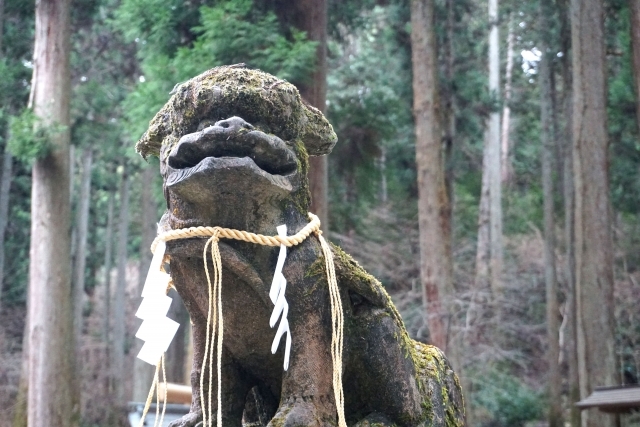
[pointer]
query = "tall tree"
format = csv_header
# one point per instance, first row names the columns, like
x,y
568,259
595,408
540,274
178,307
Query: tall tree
x,y
547,136
5,178
634,7
108,263
143,372
52,397
311,16
5,186
82,223
571,349
489,255
592,218
505,165
433,202
119,331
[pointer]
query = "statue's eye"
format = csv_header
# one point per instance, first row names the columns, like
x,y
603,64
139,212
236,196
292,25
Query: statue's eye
x,y
205,124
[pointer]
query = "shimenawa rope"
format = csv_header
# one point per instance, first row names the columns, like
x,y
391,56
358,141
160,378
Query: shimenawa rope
x,y
215,305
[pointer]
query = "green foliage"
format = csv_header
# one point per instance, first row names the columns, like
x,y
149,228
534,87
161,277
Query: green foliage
x,y
29,139
369,106
230,32
508,401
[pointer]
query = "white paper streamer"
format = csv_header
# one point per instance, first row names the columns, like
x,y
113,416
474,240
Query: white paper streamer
x,y
156,330
281,307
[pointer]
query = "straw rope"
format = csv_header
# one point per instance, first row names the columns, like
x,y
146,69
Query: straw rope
x,y
154,387
214,314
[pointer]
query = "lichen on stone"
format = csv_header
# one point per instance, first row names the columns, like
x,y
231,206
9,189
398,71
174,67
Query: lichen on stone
x,y
270,104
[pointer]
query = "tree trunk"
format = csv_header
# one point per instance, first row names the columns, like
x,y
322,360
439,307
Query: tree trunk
x,y
82,224
1,26
20,412
569,208
548,147
51,358
433,204
592,221
142,371
108,263
489,256
5,186
505,167
634,8
5,181
450,126
311,16
176,353
119,323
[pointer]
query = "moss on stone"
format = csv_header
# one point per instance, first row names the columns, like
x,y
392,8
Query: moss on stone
x,y
270,104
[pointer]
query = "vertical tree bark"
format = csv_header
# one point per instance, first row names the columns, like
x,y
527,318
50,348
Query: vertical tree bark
x,y
433,203
108,251
108,237
5,180
505,166
82,224
450,125
52,397
569,208
489,256
593,241
548,147
569,211
311,16
1,25
118,300
176,353
142,371
5,186
634,8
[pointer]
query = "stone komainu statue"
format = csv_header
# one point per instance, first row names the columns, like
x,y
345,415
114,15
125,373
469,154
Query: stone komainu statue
x,y
233,146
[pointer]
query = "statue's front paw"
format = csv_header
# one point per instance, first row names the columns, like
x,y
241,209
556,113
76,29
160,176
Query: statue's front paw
x,y
307,411
192,419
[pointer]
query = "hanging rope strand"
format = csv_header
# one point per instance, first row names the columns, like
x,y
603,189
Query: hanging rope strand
x,y
214,313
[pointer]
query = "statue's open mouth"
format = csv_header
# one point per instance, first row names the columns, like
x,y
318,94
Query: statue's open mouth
x,y
234,138
234,147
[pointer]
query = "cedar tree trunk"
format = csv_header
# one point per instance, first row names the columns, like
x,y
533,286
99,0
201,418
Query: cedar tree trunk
x,y
53,396
592,220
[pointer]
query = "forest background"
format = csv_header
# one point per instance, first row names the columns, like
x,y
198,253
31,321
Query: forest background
x,y
506,314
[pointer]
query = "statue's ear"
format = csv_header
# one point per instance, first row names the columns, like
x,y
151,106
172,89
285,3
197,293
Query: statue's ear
x,y
317,133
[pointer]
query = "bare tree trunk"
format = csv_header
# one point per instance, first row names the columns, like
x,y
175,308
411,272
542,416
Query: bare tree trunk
x,y
5,186
490,217
5,181
1,26
311,16
433,204
569,212
142,371
548,147
176,353
119,331
108,263
20,412
569,209
634,8
592,222
51,343
450,126
505,167
82,224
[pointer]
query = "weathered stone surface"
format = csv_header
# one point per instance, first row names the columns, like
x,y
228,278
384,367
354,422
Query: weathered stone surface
x,y
233,146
